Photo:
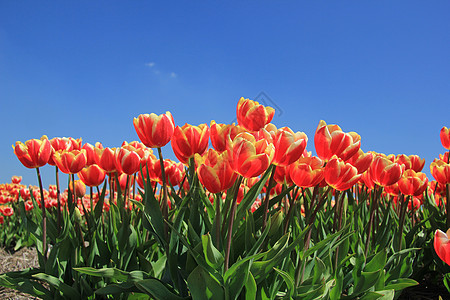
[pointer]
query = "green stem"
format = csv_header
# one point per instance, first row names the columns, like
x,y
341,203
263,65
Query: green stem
x,y
165,205
58,197
266,200
218,218
44,218
230,224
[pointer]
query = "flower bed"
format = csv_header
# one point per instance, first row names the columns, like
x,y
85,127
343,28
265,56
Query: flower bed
x,y
256,216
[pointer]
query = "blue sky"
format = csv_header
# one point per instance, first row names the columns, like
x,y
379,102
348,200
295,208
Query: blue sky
x,y
87,68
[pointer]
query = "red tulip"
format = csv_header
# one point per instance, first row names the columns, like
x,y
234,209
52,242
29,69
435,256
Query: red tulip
x,y
219,134
70,162
289,146
7,211
307,171
340,175
80,188
385,172
188,140
128,159
253,116
445,137
153,130
413,162
330,140
91,155
412,183
106,159
442,245
440,171
248,157
214,171
16,179
34,153
282,175
361,160
92,175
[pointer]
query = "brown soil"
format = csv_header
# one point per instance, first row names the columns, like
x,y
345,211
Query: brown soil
x,y
22,259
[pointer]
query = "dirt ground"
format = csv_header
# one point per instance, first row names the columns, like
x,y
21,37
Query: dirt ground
x,y
22,259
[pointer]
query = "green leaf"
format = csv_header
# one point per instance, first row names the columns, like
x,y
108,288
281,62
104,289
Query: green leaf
x,y
379,295
288,280
250,287
156,289
24,285
66,290
377,262
401,283
213,257
114,273
203,286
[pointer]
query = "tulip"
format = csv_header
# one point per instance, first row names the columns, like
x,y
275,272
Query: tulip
x,y
59,144
34,153
188,140
219,134
253,116
340,175
106,159
91,154
16,179
92,175
153,130
282,175
413,162
412,183
385,172
330,140
248,157
80,188
70,162
361,161
289,146
214,171
127,159
442,245
440,171
307,172
445,137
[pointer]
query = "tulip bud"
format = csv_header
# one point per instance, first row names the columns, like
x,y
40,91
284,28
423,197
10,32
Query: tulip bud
x,y
276,222
77,215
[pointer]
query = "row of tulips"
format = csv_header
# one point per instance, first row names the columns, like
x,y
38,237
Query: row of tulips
x,y
255,216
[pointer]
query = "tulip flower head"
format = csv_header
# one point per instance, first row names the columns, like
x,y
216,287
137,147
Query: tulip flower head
x,y
70,162
385,172
92,175
307,171
188,140
440,171
214,171
154,131
34,153
340,175
289,146
445,137
442,245
219,134
412,183
253,116
248,157
330,140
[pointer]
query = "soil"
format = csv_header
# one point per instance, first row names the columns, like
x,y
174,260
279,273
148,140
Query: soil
x,y
19,260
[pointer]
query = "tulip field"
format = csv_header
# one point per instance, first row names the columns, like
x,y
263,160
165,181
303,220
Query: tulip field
x,y
246,212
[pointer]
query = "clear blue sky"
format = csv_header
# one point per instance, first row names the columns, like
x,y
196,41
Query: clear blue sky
x,y
87,68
